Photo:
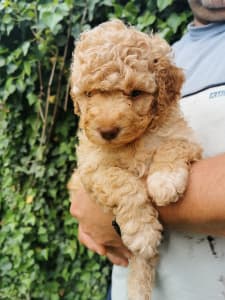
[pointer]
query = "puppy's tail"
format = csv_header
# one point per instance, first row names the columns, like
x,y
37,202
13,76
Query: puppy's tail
x,y
141,277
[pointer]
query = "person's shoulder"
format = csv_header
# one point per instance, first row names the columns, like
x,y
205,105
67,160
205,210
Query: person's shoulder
x,y
180,43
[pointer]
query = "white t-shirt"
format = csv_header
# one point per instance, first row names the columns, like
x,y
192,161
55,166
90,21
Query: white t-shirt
x,y
192,267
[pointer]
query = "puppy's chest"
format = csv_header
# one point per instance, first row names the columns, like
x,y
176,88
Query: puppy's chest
x,y
135,159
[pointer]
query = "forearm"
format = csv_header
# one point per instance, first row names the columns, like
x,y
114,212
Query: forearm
x,y
202,208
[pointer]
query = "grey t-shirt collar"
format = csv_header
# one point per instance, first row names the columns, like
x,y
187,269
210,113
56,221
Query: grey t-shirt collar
x,y
199,32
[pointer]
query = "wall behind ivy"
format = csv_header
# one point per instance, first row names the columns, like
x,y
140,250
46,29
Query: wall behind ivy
x,y
40,257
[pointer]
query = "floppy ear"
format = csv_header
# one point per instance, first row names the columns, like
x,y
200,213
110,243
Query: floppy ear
x,y
169,80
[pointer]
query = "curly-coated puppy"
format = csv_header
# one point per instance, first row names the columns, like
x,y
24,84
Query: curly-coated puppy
x,y
135,147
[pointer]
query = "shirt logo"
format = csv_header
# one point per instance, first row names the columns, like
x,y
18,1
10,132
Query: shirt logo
x,y
217,94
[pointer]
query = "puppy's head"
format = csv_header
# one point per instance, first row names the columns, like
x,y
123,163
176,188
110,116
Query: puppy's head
x,y
122,81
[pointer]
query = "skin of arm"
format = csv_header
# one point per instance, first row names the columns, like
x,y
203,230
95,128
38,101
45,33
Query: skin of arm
x,y
200,210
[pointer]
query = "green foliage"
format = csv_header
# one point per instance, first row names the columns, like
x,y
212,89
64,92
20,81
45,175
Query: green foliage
x,y
40,256
166,17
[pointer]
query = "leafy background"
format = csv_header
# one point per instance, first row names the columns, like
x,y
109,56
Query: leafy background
x,y
40,256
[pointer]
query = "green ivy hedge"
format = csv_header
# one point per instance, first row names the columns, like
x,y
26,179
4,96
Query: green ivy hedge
x,y
40,257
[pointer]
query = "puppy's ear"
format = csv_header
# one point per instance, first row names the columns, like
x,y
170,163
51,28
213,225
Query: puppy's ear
x,y
169,80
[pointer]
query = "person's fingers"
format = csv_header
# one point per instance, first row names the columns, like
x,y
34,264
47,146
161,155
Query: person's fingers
x,y
116,259
79,202
87,241
118,245
73,210
126,252
120,250
118,255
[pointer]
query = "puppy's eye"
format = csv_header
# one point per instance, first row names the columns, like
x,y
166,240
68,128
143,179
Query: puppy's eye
x,y
155,60
88,94
135,93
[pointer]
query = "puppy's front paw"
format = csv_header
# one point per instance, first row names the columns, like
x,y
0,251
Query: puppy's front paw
x,y
166,186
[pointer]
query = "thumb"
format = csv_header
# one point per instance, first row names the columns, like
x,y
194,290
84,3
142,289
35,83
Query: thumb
x,y
87,241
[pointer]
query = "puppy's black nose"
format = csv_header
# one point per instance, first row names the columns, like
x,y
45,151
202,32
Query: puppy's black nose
x,y
109,133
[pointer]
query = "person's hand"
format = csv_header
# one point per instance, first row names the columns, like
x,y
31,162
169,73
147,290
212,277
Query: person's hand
x,y
95,229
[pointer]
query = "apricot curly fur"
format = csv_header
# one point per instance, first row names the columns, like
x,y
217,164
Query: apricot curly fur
x,y
135,147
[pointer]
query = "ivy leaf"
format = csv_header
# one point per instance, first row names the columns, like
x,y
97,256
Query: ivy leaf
x,y
27,68
91,8
32,98
10,86
6,267
7,19
20,84
9,28
146,20
2,61
162,4
118,10
11,68
51,19
174,21
52,15
25,47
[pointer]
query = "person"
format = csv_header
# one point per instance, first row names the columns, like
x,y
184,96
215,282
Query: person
x,y
192,254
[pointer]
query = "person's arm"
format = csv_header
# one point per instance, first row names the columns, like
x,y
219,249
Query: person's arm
x,y
201,210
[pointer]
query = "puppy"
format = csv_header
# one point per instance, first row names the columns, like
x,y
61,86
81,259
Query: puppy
x,y
135,147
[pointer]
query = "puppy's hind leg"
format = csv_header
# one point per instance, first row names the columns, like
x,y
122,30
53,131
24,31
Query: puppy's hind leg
x,y
141,232
141,277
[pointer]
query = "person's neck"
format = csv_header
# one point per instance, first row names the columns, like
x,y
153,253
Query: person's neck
x,y
198,23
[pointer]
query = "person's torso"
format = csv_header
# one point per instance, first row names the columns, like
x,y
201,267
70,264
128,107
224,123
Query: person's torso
x,y
192,267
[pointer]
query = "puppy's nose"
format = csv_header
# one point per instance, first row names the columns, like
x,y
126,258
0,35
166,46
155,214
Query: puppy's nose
x,y
109,133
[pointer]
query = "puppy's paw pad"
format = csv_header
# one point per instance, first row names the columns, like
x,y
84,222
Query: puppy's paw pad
x,y
166,186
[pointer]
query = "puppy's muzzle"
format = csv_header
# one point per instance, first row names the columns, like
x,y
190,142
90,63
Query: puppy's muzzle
x,y
109,133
